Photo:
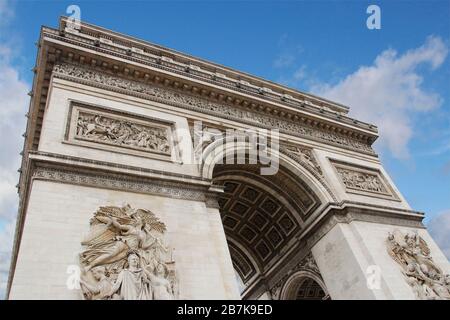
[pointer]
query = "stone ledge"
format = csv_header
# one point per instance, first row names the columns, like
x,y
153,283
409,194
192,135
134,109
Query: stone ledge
x,y
348,211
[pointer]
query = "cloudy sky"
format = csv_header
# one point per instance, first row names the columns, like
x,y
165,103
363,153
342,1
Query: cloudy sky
x,y
397,77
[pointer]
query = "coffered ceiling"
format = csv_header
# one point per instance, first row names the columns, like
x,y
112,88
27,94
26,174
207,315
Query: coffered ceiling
x,y
261,215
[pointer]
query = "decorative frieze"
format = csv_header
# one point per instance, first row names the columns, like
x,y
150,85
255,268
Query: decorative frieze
x,y
302,129
413,255
156,58
118,182
362,180
113,131
302,155
95,127
308,263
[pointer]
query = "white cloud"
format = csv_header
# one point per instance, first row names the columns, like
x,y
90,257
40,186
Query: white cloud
x,y
6,12
8,194
443,145
12,124
300,73
14,103
6,242
439,228
288,54
284,60
388,91
299,78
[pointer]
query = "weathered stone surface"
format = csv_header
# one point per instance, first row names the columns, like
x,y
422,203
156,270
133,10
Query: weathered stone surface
x,y
124,196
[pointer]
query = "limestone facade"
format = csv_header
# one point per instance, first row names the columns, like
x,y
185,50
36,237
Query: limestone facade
x,y
112,122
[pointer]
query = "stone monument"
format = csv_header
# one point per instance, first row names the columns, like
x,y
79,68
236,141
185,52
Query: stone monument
x,y
151,174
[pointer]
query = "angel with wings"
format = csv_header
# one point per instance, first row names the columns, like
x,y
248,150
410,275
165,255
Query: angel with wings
x,y
116,231
125,256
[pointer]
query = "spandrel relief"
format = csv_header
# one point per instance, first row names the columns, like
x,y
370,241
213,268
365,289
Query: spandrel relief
x,y
100,128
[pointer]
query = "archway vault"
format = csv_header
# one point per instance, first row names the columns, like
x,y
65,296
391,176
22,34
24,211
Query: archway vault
x,y
262,216
304,285
298,160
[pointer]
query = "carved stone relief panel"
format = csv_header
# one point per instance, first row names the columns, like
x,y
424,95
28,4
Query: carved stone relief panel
x,y
362,180
125,257
203,134
97,79
121,132
413,255
302,155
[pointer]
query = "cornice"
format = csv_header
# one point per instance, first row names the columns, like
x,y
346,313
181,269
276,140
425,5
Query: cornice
x,y
349,211
298,125
151,56
185,61
118,181
211,87
117,167
57,45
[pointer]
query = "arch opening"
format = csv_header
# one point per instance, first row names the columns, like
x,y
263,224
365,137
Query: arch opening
x,y
309,289
262,217
304,285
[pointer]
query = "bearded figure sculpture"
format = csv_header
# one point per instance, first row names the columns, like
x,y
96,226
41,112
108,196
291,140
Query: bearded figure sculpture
x,y
125,257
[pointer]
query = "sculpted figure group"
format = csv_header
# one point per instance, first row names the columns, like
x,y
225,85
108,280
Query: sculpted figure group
x,y
125,257
362,181
304,155
411,252
121,132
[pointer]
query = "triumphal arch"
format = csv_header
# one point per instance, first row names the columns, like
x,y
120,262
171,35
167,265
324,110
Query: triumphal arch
x,y
151,174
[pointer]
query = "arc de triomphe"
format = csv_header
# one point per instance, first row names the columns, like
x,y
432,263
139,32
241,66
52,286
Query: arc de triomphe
x,y
152,174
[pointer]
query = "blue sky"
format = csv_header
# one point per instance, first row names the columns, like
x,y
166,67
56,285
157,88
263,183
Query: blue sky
x,y
397,77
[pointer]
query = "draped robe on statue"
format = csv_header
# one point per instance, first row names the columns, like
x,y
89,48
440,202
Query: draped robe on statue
x,y
132,285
